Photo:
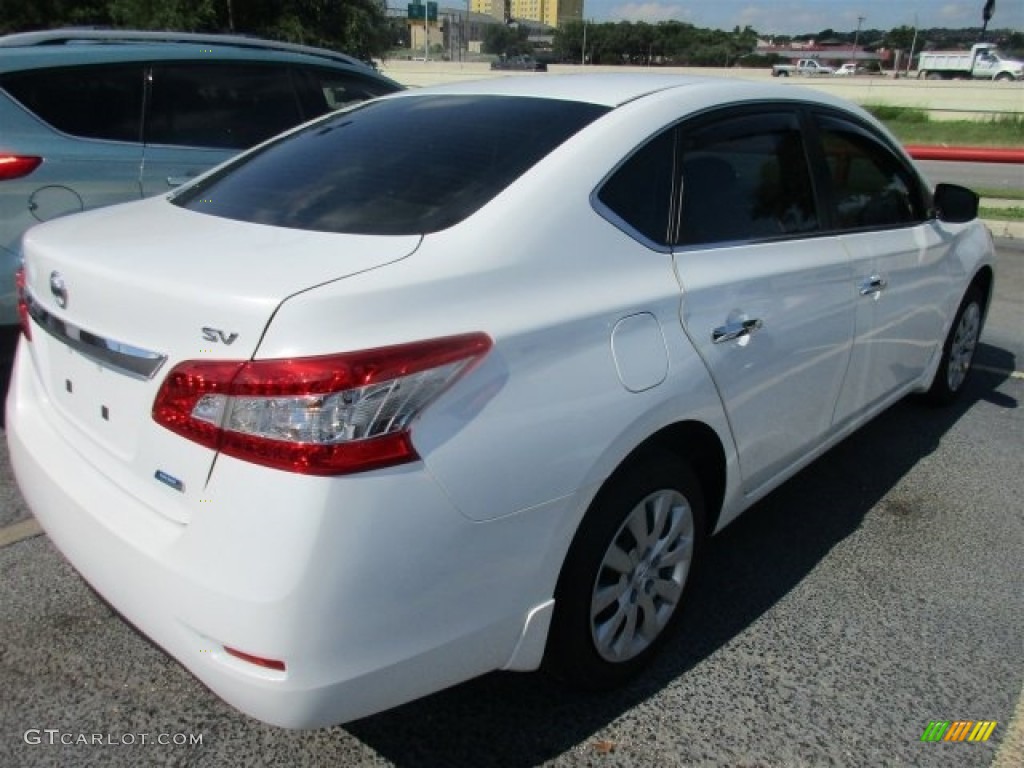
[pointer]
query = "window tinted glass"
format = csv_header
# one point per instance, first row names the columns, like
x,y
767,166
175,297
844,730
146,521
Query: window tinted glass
x,y
230,106
640,192
92,102
323,90
745,178
402,166
871,187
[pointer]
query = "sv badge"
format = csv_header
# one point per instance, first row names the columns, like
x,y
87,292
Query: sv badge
x,y
217,335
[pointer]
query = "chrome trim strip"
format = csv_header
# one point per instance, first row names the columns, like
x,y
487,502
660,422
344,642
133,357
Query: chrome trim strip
x,y
123,358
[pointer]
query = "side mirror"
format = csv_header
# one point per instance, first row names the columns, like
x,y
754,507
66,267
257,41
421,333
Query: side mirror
x,y
955,204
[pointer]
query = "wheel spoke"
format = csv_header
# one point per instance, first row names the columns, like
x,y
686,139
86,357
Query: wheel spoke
x,y
616,559
679,553
637,525
651,625
606,596
668,590
622,646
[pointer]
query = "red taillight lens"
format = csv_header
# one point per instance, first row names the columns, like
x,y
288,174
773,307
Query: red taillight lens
x,y
328,415
259,661
23,318
16,166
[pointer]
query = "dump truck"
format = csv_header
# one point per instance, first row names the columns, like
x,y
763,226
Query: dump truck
x,y
983,61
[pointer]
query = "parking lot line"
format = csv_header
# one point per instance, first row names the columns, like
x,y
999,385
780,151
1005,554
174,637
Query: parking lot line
x,y
24,529
1000,371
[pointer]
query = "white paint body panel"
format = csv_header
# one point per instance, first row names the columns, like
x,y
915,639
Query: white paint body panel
x,y
382,586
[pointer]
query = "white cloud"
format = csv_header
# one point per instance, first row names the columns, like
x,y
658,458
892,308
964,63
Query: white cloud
x,y
650,12
955,14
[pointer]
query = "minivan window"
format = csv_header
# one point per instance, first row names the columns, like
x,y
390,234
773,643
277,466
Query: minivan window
x,y
222,105
92,102
410,165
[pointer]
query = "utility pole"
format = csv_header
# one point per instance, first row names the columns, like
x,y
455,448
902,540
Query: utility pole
x,y
856,39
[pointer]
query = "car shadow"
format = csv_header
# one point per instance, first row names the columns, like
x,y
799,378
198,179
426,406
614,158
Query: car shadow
x,y
9,336
518,720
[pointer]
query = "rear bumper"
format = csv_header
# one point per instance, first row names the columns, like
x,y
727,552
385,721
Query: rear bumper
x,y
374,590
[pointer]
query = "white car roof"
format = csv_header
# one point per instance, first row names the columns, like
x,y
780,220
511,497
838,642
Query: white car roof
x,y
615,89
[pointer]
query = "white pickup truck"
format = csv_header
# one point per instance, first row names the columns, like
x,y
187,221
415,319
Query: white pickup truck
x,y
802,67
983,61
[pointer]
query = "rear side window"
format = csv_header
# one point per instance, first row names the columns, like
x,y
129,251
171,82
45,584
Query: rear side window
x,y
393,167
640,191
871,186
94,102
745,178
227,106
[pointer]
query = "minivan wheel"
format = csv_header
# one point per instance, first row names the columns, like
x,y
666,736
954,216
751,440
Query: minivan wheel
x,y
958,351
622,586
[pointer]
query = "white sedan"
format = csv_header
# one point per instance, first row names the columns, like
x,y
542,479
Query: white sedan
x,y
461,379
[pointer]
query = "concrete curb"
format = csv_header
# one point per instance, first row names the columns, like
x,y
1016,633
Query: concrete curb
x,y
1013,230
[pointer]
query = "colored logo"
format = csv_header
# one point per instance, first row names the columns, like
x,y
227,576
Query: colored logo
x,y
958,730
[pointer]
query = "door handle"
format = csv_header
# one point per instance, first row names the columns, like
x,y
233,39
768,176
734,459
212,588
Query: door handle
x,y
873,285
735,330
177,181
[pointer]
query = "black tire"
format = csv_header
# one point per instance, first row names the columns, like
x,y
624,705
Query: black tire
x,y
958,351
642,583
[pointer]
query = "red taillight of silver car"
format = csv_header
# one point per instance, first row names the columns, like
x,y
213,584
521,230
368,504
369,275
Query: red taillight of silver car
x,y
16,166
325,415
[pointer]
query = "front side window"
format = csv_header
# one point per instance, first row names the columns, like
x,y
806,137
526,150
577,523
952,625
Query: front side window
x,y
745,178
93,102
871,187
410,165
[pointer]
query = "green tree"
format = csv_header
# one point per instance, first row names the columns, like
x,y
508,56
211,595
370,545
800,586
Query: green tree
x,y
185,15
506,40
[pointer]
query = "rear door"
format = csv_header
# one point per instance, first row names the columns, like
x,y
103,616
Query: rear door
x,y
767,297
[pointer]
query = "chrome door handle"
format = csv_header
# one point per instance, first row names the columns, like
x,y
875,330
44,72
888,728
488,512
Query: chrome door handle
x,y
735,330
873,285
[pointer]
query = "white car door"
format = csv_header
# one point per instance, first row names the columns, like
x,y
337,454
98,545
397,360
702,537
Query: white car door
x,y
768,301
902,277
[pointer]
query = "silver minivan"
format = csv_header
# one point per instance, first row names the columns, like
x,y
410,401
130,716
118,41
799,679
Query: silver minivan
x,y
94,117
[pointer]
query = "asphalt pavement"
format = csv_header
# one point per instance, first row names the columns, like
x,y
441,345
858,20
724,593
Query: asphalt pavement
x,y
878,591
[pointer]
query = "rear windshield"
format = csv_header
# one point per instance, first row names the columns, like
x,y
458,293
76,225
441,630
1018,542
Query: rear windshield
x,y
394,167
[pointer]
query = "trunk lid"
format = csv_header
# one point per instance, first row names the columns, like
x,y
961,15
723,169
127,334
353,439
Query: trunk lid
x,y
124,294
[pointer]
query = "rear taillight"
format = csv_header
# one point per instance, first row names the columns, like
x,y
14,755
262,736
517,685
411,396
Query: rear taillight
x,y
23,317
16,166
328,415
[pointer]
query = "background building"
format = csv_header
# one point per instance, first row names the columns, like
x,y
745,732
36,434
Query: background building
x,y
553,13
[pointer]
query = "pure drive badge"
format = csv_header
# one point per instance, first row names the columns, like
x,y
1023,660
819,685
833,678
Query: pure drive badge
x,y
166,479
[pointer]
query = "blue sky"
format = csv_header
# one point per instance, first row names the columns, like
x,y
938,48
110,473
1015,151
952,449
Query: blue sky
x,y
808,16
